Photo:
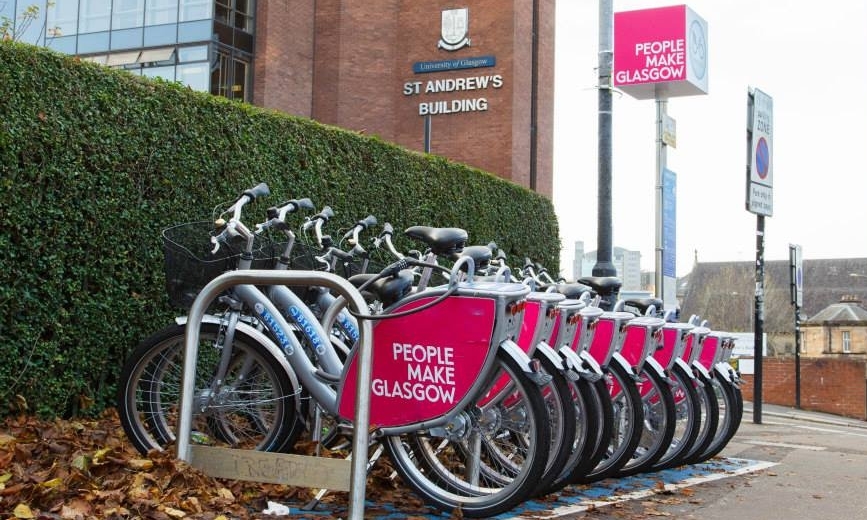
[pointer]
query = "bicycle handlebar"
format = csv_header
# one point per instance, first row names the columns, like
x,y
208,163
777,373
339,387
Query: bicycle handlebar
x,y
234,226
363,224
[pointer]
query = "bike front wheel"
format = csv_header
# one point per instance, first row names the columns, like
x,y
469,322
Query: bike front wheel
x,y
688,418
492,454
253,406
731,408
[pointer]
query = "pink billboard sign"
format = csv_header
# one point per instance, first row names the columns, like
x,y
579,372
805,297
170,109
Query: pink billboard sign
x,y
660,53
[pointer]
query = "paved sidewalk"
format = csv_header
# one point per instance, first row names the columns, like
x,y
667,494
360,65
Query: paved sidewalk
x,y
772,410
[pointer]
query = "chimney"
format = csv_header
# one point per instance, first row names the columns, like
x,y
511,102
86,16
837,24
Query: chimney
x,y
850,298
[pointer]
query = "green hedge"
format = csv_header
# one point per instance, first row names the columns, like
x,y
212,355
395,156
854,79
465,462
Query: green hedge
x,y
95,162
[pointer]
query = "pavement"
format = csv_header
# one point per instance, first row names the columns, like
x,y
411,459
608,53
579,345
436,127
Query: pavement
x,y
771,410
794,465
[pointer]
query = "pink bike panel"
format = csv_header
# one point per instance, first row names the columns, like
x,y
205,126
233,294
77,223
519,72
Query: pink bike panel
x,y
633,344
708,350
602,336
669,338
423,363
555,330
687,346
528,325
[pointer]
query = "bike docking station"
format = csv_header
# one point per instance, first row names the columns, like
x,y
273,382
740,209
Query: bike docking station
x,y
280,468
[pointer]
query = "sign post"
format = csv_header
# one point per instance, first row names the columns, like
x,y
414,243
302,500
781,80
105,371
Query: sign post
x,y
796,270
661,53
760,184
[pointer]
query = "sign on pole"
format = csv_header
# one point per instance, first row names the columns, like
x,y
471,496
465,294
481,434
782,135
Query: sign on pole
x,y
796,265
760,169
660,52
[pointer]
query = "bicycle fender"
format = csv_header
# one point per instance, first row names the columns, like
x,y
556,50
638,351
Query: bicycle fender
x,y
733,374
723,371
683,364
701,369
576,366
512,349
259,337
590,363
544,349
620,360
652,364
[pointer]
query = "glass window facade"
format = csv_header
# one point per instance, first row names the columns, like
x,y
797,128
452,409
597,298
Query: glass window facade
x,y
204,44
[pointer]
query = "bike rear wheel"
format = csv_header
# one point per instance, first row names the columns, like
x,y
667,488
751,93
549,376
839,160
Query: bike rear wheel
x,y
489,458
254,407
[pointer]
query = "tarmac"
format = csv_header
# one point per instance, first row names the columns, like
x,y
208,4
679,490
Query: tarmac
x,y
793,465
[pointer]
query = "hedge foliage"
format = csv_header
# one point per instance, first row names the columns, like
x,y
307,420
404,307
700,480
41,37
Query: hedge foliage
x,y
94,163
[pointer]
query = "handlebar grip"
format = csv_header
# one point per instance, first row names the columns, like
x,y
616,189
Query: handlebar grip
x,y
341,255
304,203
260,190
387,229
326,213
368,221
527,262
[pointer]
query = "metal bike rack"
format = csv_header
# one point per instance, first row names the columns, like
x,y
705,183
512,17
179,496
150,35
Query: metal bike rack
x,y
361,433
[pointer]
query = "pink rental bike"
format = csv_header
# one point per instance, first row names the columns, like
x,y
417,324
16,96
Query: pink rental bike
x,y
709,360
456,440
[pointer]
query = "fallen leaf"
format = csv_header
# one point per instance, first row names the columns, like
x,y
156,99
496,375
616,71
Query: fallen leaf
x,y
23,511
140,464
6,439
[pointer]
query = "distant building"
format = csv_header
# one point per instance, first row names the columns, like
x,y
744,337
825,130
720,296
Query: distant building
x,y
626,262
724,294
838,330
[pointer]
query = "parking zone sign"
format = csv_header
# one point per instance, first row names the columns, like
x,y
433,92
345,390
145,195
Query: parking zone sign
x,y
760,172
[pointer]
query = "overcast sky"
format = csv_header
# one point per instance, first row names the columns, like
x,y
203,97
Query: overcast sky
x,y
810,57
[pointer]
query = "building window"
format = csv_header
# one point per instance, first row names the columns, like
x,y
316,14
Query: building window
x,y
62,19
159,12
235,13
847,348
127,14
230,75
195,10
94,16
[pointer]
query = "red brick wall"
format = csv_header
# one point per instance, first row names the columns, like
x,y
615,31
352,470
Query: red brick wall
x,y
836,386
283,68
360,55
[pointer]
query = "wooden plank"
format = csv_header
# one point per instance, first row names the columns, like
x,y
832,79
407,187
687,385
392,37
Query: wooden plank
x,y
272,468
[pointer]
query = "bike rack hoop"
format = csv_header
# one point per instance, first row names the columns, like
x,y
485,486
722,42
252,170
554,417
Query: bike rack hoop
x,y
361,433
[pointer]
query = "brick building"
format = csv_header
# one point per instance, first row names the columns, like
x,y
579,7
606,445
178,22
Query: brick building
x,y
381,67
472,82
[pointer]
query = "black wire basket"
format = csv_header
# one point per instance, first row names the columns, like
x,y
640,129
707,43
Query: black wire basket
x,y
189,263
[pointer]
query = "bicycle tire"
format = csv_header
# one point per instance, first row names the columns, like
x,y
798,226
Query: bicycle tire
x,y
710,419
626,424
659,424
730,398
455,468
688,418
562,417
149,397
593,413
